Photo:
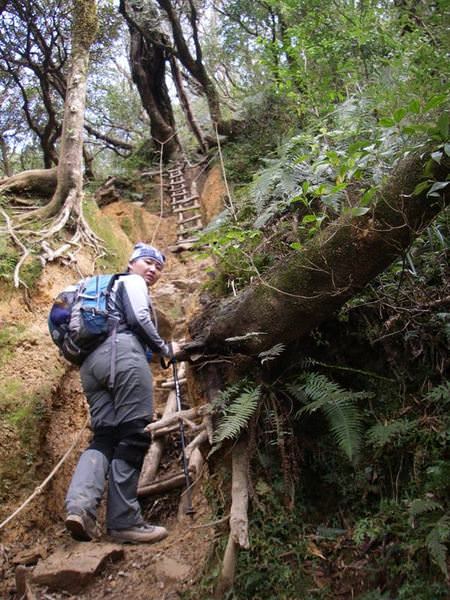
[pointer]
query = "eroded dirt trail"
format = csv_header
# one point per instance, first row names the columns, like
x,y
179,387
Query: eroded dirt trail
x,y
37,536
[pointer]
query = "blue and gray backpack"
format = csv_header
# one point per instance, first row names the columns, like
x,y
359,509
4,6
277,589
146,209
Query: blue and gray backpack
x,y
80,318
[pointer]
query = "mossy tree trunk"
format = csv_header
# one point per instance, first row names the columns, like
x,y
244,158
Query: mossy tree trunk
x,y
68,191
148,58
306,287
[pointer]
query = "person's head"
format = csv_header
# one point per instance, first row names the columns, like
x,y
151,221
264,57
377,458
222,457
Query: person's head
x,y
146,261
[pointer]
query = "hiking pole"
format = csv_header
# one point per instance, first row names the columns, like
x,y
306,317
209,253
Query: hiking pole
x,y
189,510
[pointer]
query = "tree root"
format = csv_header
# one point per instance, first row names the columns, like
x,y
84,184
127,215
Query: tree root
x,y
238,537
184,415
36,181
154,454
70,217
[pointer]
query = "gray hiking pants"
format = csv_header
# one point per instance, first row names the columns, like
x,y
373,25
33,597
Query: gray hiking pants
x,y
129,400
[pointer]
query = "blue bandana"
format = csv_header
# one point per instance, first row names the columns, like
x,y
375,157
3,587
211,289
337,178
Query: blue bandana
x,y
142,250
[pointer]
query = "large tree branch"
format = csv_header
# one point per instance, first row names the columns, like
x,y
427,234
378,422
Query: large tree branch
x,y
111,141
306,287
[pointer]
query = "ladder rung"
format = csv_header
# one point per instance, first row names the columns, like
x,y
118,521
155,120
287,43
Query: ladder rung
x,y
186,208
190,219
191,240
190,230
190,199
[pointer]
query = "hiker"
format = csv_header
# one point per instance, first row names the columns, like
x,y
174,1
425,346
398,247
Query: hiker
x,y
120,410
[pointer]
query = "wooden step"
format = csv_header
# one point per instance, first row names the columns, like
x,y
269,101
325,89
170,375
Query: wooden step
x,y
190,219
192,207
190,199
184,245
183,231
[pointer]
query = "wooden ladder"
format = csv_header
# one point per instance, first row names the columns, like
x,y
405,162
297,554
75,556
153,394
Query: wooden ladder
x,y
185,204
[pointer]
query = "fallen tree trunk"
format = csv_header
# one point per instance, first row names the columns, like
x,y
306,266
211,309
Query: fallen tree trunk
x,y
306,287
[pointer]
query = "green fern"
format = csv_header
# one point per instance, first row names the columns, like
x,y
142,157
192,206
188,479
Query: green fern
x,y
419,507
339,406
271,353
438,529
439,394
237,415
225,397
436,543
382,434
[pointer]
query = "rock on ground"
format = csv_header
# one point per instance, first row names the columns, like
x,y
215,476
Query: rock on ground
x,y
73,568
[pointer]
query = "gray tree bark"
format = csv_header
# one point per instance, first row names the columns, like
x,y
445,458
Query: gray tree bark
x,y
70,167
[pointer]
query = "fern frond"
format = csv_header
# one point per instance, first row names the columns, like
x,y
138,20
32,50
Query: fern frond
x,y
345,422
225,396
436,546
339,406
307,362
382,434
271,353
440,393
237,415
419,507
296,391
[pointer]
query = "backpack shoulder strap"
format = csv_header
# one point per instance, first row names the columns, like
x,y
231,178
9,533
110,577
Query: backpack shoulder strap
x,y
113,280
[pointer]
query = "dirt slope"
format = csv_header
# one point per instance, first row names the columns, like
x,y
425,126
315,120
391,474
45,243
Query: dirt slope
x,y
147,572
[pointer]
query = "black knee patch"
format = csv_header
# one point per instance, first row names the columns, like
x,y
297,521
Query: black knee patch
x,y
133,442
104,441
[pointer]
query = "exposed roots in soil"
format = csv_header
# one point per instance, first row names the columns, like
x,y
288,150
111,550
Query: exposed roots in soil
x,y
49,242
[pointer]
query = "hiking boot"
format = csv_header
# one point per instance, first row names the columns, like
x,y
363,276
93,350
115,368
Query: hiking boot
x,y
81,527
139,534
